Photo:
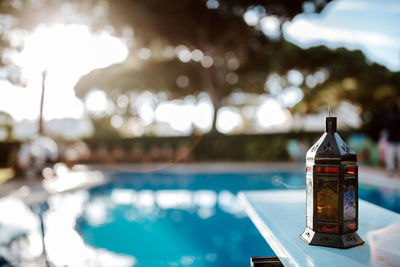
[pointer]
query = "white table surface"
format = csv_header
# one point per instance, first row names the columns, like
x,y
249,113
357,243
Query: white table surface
x,y
280,217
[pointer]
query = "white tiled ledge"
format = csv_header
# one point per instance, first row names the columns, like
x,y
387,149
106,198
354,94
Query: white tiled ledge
x,y
279,215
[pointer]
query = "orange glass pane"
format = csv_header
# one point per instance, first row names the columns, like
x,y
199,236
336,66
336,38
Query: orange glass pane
x,y
327,204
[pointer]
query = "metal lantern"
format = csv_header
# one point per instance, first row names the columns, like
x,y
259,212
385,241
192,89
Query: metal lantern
x,y
332,192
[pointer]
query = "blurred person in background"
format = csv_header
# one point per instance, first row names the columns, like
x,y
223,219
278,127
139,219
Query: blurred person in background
x,y
392,125
34,155
382,148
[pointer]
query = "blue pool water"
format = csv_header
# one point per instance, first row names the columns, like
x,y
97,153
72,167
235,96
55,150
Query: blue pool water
x,y
170,219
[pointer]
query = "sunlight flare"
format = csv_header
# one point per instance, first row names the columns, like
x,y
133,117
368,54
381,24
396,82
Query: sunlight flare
x,y
65,52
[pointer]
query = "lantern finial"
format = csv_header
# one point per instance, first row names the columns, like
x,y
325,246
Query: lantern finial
x,y
330,123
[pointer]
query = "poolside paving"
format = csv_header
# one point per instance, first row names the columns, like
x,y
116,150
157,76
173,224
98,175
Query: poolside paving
x,y
372,176
378,177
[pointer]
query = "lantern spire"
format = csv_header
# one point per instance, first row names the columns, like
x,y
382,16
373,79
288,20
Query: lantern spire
x,y
330,122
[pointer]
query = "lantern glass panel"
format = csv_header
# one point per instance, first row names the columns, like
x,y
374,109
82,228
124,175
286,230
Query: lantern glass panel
x,y
327,199
327,227
309,198
349,199
350,227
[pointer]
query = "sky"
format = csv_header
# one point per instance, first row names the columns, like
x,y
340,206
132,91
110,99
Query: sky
x,y
372,26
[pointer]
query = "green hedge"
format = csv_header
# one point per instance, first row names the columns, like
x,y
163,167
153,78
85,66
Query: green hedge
x,y
210,147
260,147
8,153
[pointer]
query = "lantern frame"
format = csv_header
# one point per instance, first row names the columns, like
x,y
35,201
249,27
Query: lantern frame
x,y
331,175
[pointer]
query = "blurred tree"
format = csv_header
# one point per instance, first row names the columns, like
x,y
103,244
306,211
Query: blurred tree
x,y
232,54
350,77
6,126
214,27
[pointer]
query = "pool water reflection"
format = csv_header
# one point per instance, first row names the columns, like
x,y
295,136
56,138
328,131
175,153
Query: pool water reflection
x,y
182,234
165,219
170,219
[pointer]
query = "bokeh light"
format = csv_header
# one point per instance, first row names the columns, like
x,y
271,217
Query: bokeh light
x,y
271,114
228,119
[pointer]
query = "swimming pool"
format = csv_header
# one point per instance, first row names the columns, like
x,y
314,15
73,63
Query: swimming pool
x,y
181,219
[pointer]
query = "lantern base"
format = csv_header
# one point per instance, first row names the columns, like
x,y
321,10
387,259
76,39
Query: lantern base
x,y
331,240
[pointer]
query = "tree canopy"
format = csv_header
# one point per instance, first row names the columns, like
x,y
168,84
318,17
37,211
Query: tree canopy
x,y
187,46
240,56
